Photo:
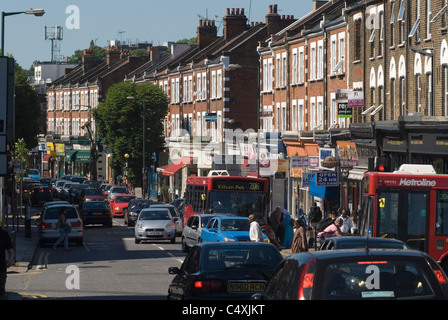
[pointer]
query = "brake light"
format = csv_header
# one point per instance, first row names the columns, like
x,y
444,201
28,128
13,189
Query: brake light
x,y
440,277
306,280
207,285
76,224
45,225
372,262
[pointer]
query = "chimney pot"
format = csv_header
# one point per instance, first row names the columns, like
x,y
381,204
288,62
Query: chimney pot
x,y
275,8
270,8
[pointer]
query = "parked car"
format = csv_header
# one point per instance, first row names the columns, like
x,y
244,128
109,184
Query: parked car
x,y
34,174
38,195
120,202
179,203
57,187
191,234
133,210
91,194
174,213
336,243
96,212
227,228
114,190
357,275
155,224
49,218
231,270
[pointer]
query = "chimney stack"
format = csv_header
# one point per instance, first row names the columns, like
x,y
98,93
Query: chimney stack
x,y
235,22
88,60
206,32
113,55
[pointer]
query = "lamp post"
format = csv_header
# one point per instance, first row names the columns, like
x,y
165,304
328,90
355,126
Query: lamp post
x,y
35,12
144,140
237,66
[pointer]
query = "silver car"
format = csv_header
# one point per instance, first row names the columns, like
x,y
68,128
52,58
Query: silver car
x,y
191,234
49,218
155,224
178,220
113,191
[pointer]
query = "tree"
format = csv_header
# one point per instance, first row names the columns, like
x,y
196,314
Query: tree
x,y
27,106
119,122
98,52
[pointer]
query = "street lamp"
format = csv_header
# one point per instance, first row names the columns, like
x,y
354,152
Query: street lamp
x,y
35,12
144,139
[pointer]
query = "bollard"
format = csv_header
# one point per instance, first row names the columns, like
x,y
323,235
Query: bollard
x,y
13,240
28,222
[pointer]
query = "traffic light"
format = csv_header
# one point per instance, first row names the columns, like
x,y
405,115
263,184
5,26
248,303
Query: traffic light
x,y
380,164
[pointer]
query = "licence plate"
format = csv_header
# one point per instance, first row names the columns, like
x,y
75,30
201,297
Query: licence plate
x,y
97,213
246,286
154,233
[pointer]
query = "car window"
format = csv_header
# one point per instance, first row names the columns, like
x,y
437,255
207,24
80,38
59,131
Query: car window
x,y
204,221
53,213
217,258
95,205
191,264
385,279
124,199
275,278
211,224
93,192
195,222
235,225
155,215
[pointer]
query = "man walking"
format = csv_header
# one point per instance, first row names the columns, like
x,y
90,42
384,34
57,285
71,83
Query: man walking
x,y
255,233
5,245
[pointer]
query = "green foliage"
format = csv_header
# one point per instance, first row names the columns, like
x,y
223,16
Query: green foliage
x,y
120,124
98,52
27,109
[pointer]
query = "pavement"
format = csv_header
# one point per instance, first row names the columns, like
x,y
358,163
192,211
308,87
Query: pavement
x,y
26,244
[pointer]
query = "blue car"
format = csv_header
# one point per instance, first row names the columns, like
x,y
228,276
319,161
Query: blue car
x,y
227,228
34,174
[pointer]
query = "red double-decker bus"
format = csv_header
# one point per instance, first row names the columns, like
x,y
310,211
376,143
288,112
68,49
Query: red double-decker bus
x,y
410,205
233,195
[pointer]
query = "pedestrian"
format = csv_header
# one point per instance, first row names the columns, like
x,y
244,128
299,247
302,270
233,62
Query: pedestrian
x,y
5,245
333,230
64,229
255,233
314,214
275,218
299,241
354,217
271,235
347,225
288,224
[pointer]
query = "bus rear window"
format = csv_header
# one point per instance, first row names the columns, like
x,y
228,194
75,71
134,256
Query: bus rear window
x,y
442,213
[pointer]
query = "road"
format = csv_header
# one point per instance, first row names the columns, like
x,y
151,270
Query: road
x,y
109,266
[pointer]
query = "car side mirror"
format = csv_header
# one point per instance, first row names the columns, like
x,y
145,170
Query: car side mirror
x,y
173,270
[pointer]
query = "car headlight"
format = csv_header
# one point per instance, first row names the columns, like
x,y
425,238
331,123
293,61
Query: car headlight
x,y
228,239
117,208
139,226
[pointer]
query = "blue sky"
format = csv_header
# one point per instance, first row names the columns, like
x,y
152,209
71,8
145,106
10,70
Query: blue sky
x,y
103,20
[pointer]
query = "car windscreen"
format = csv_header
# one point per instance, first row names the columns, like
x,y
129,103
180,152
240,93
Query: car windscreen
x,y
118,190
53,213
235,225
376,279
155,215
123,199
217,258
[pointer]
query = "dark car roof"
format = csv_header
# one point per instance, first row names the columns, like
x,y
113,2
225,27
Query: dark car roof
x,y
358,253
374,240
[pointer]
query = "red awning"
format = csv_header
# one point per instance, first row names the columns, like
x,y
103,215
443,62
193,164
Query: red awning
x,y
295,148
46,158
179,164
162,168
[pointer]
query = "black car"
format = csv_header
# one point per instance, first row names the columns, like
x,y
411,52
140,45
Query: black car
x,y
74,192
133,210
39,195
357,275
96,212
351,242
230,270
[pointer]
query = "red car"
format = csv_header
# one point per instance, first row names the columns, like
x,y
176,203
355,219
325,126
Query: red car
x,y
120,202
91,194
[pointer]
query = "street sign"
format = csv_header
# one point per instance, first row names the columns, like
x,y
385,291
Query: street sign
x,y
327,179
